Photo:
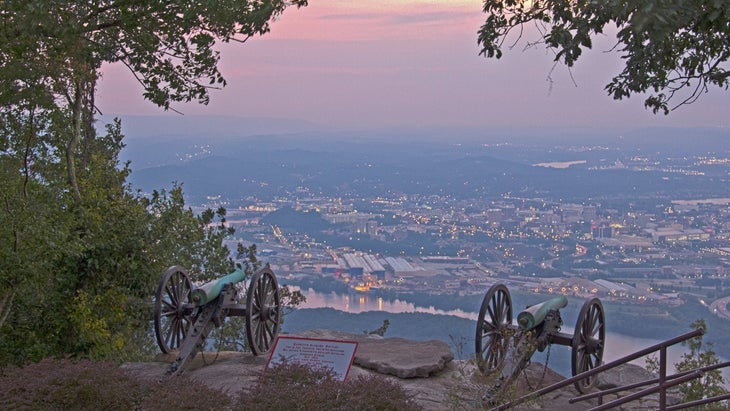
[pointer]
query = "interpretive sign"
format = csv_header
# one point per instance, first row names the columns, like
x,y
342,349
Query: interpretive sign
x,y
332,355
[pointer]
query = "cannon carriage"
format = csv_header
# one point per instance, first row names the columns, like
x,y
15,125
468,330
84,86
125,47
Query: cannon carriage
x,y
184,315
506,348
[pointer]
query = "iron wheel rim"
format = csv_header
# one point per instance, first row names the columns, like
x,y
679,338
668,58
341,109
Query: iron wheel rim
x,y
493,326
171,314
588,342
263,311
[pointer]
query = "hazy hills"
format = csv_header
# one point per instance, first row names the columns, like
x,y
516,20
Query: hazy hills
x,y
233,158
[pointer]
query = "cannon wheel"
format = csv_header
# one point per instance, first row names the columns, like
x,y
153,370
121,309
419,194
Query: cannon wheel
x,y
263,311
493,327
172,317
588,342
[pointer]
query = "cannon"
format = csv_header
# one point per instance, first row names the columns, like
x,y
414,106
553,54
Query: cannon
x,y
184,315
537,327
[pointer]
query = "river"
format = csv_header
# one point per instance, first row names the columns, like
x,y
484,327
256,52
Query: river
x,y
617,345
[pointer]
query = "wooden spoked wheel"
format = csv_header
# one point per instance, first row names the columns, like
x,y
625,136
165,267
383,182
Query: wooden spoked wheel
x,y
263,311
173,312
493,332
589,340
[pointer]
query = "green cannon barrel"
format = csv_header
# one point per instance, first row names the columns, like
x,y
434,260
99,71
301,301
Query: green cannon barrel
x,y
532,316
211,290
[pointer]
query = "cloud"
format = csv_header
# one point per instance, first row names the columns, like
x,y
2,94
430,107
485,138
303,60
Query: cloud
x,y
352,16
448,16
443,16
378,20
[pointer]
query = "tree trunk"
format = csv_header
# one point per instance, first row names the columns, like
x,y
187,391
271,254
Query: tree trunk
x,y
6,302
74,143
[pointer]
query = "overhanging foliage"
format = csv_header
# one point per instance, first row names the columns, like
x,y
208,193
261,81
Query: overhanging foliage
x,y
674,49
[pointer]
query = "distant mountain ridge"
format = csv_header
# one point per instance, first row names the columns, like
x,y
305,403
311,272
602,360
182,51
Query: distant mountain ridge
x,y
180,125
236,157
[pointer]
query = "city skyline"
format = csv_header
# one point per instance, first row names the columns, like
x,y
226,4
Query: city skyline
x,y
408,63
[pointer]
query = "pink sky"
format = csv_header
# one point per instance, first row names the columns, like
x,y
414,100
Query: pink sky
x,y
380,63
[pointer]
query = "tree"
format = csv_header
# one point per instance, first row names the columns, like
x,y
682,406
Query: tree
x,y
53,51
84,251
700,355
676,49
712,383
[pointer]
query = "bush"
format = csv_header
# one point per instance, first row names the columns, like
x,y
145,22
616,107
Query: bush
x,y
53,384
296,387
87,385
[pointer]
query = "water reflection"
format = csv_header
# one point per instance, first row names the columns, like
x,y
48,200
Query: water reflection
x,y
358,303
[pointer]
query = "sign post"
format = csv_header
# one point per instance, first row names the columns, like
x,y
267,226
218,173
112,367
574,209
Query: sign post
x,y
318,354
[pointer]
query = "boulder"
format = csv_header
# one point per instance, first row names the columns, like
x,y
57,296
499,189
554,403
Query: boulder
x,y
393,356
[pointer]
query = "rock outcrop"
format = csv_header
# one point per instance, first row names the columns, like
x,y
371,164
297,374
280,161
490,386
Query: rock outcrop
x,y
426,369
393,356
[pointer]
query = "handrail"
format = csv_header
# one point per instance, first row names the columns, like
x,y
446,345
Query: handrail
x,y
648,391
644,383
699,402
661,347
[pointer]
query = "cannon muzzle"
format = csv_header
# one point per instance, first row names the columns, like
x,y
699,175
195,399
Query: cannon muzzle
x,y
534,315
211,290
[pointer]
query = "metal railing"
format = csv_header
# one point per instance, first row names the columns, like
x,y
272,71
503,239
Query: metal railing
x,y
663,381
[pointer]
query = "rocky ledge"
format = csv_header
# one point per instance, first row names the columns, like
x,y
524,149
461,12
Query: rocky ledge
x,y
426,369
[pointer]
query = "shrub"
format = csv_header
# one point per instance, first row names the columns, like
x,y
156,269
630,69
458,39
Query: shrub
x,y
297,387
87,385
54,384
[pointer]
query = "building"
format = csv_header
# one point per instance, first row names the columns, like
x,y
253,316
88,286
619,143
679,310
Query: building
x,y
661,235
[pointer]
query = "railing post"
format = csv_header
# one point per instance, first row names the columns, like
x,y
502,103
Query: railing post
x,y
663,378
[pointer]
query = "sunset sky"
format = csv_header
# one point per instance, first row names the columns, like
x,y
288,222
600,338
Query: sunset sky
x,y
408,63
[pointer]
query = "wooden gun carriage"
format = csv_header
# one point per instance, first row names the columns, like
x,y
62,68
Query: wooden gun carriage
x,y
537,327
184,315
